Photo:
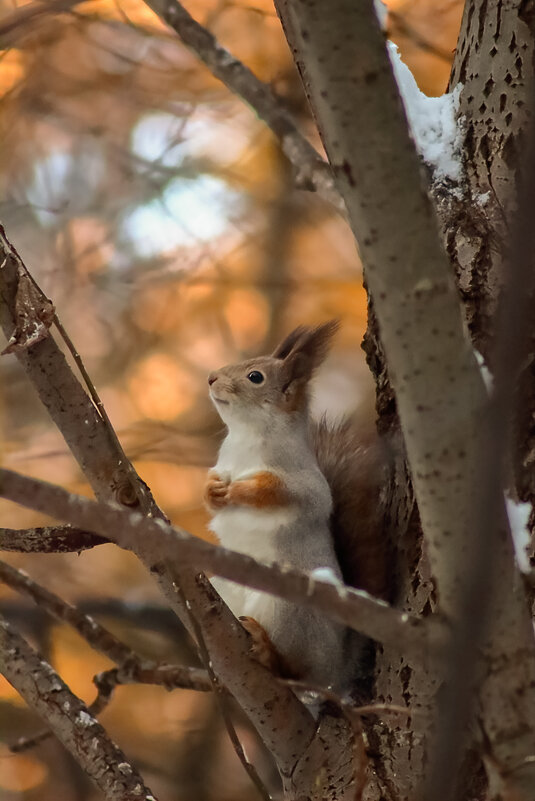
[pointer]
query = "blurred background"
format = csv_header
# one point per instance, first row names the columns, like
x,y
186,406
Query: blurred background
x,y
159,215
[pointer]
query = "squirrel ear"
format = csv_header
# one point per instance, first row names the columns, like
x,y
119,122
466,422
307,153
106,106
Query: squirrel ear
x,y
305,349
285,347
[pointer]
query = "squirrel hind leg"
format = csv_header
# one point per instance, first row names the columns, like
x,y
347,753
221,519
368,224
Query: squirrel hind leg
x,y
261,648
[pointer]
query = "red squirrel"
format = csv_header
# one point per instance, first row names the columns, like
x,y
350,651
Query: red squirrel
x,y
283,489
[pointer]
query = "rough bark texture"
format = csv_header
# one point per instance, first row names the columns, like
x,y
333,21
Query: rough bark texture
x,y
440,397
494,62
495,103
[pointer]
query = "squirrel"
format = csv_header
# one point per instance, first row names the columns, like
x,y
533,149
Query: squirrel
x,y
303,494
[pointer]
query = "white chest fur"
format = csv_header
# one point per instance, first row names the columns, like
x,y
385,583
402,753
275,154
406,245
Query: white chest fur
x,y
246,529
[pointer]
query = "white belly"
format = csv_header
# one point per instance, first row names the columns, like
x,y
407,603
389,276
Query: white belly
x,y
251,531
246,602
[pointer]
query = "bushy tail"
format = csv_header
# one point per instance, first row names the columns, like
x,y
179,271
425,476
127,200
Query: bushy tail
x,y
354,464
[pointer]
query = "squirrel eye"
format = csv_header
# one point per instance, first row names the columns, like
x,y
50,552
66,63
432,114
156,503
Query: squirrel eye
x,y
255,376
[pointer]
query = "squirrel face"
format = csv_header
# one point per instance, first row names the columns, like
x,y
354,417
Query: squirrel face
x,y
260,390
253,390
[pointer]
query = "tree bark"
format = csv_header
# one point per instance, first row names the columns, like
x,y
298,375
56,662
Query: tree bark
x,y
439,395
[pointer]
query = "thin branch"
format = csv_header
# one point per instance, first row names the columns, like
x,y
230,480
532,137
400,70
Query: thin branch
x,y
46,693
48,539
24,309
172,677
131,667
128,499
312,171
352,607
155,617
94,633
25,18
401,26
489,585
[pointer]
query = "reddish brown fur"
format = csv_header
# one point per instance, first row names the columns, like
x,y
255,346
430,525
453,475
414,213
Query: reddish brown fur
x,y
263,490
262,648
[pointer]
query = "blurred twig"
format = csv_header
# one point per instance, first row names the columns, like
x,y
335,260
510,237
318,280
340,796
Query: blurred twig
x,y
312,172
133,666
23,18
401,26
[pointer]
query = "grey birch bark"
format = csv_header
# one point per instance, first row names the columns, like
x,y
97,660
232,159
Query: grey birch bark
x,y
495,106
439,394
494,64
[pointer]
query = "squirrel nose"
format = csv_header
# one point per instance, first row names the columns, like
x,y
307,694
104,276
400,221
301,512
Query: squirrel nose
x,y
212,378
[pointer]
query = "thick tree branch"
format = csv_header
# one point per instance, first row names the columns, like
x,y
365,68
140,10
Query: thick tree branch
x,y
439,392
352,607
45,692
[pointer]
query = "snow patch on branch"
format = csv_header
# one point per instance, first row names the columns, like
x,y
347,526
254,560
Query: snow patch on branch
x,y
486,375
432,120
325,574
518,514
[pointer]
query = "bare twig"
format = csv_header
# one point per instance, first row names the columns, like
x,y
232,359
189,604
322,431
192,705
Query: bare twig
x,y
23,18
352,607
124,493
94,633
100,457
45,692
172,677
48,539
132,667
312,171
406,29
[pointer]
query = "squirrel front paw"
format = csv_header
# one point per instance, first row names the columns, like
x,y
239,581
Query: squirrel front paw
x,y
216,492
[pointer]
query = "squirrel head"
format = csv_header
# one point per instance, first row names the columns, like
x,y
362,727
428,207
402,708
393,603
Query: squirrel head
x,y
257,390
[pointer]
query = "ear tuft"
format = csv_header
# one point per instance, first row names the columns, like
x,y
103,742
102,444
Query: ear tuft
x,y
286,346
304,349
